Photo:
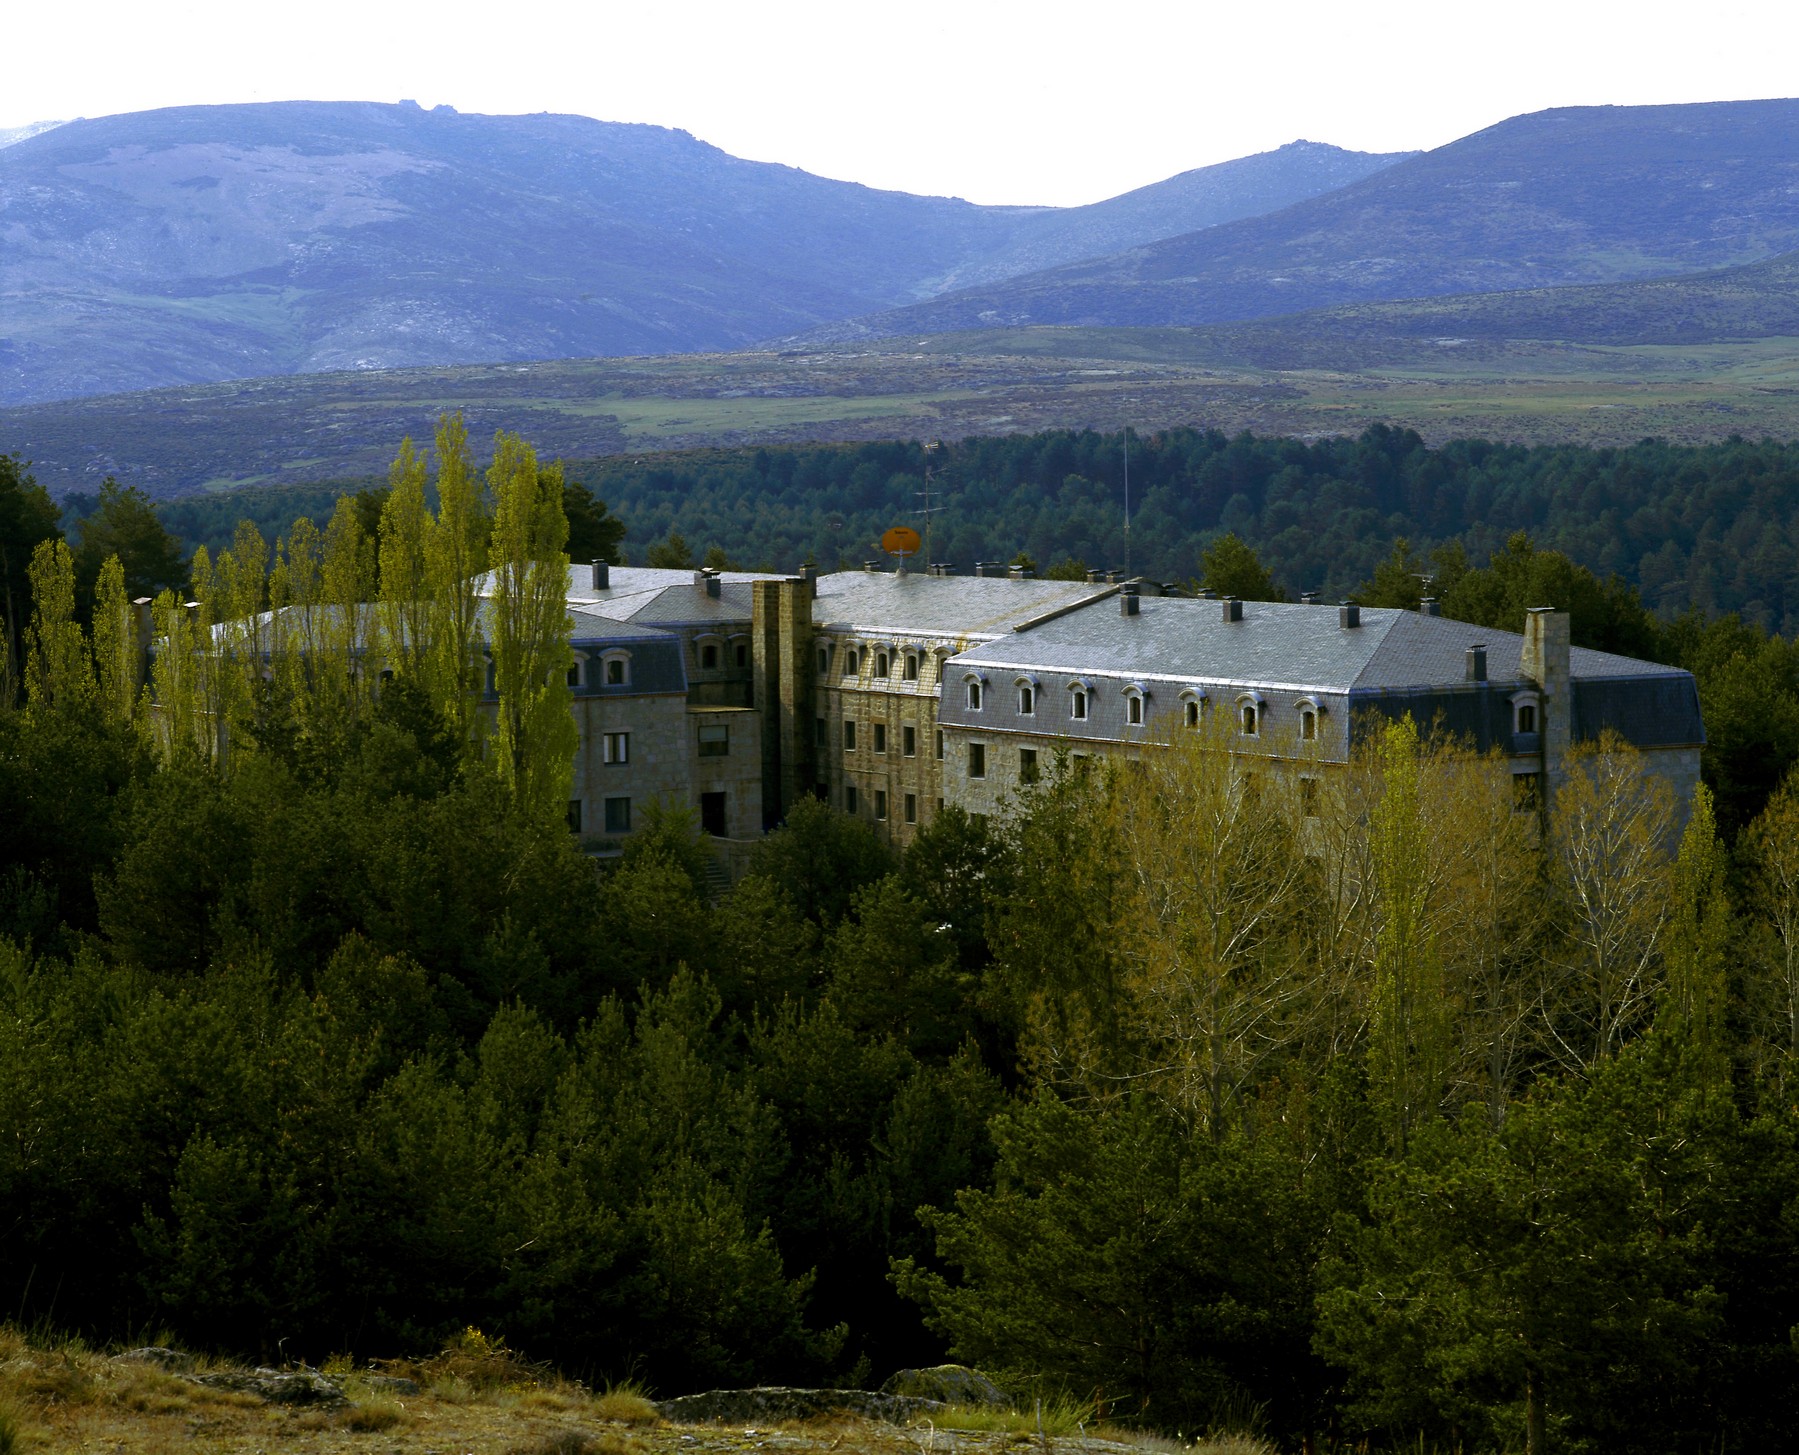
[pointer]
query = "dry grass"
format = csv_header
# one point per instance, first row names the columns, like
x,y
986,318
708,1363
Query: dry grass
x,y
625,1404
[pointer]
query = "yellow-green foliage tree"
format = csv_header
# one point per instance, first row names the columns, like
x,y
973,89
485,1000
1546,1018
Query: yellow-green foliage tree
x,y
455,555
528,629
59,672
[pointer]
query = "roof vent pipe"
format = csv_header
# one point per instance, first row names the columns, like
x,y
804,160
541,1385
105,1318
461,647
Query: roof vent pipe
x,y
1349,614
1172,588
1094,578
1233,609
983,568
1308,598
1477,663
1206,593
871,565
1127,601
1021,573
602,576
1429,607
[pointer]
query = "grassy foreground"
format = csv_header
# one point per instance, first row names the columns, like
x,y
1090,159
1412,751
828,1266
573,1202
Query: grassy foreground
x,y
475,1399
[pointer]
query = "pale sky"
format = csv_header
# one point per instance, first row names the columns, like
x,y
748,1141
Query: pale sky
x,y
992,100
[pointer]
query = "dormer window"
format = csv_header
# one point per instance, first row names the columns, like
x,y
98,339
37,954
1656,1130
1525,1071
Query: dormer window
x,y
824,660
1249,719
1077,704
1249,714
618,670
1133,711
1190,712
852,663
1527,717
911,669
974,696
574,673
1308,724
1027,701
709,657
881,664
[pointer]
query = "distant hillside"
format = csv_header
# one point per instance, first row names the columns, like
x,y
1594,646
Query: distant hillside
x,y
207,243
11,134
1574,196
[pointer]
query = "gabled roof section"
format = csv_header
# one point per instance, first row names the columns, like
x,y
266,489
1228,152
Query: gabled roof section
x,y
916,604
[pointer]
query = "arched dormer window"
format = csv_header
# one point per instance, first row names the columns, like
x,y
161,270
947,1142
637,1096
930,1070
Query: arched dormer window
x,y
577,672
617,668
882,665
1527,713
1027,696
910,672
1249,713
852,662
824,660
1078,694
1310,710
1135,695
973,684
1191,697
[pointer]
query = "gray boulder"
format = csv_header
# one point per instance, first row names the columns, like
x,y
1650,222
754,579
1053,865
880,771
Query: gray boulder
x,y
277,1386
767,1405
947,1384
172,1360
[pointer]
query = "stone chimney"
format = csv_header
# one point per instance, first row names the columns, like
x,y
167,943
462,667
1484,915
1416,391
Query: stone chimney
x,y
708,579
1233,609
1477,663
1020,573
1127,601
602,576
1544,659
1428,607
1349,615
1308,598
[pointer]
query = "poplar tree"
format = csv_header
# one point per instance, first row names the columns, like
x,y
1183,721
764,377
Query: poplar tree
x,y
455,557
1771,851
59,673
1609,828
1210,920
1409,1029
186,725
1698,940
529,627
405,591
115,647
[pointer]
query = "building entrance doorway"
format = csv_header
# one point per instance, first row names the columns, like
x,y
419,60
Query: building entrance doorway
x,y
712,814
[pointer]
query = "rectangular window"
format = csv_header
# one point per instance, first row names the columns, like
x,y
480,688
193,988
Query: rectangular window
x,y
911,808
1027,765
1308,796
909,740
1027,702
977,760
939,745
849,798
881,803
1526,790
618,815
574,675
849,736
715,740
615,748
574,815
743,655
1077,705
880,737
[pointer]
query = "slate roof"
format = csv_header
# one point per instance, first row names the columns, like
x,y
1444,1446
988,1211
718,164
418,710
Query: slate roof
x,y
972,607
1395,662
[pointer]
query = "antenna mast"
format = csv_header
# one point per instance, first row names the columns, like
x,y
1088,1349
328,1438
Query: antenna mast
x,y
929,510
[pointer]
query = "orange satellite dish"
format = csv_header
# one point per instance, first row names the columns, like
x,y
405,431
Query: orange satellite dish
x,y
901,540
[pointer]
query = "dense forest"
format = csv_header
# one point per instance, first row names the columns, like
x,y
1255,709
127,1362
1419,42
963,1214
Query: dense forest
x,y
1422,1121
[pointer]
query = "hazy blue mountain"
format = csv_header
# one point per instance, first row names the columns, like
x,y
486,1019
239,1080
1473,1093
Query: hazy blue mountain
x,y
11,134
1574,196
208,243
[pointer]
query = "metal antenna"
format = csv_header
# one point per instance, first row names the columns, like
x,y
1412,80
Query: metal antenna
x,y
929,510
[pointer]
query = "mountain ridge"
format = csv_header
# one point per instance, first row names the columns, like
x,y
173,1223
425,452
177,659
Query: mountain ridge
x,y
1569,196
196,244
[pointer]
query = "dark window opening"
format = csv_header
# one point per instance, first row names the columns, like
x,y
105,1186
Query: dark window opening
x,y
977,760
712,814
1027,765
618,815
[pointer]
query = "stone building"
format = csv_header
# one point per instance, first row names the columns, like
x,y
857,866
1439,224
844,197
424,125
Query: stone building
x,y
1300,682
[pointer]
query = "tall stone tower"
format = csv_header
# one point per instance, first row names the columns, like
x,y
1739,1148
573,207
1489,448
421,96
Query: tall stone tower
x,y
781,632
1544,659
